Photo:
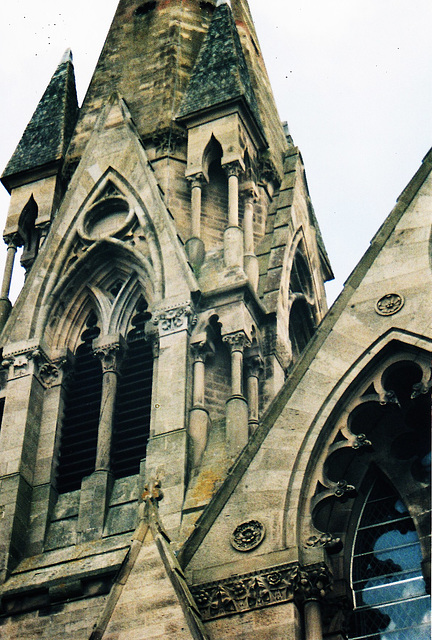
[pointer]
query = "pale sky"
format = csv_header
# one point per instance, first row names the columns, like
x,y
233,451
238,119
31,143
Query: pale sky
x,y
351,77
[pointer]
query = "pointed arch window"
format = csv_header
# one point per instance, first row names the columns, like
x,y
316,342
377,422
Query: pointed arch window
x,y
389,590
133,402
79,431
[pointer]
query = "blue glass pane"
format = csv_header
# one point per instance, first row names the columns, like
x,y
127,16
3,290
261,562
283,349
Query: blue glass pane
x,y
391,603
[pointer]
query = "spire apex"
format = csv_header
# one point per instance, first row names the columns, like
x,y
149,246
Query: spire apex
x,y
67,56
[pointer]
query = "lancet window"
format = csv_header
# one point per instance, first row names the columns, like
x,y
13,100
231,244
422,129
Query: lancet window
x,y
130,420
81,413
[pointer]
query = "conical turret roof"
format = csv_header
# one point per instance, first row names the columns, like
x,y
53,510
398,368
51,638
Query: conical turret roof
x,y
48,133
221,74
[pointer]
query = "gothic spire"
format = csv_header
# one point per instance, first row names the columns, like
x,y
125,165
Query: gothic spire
x,y
47,135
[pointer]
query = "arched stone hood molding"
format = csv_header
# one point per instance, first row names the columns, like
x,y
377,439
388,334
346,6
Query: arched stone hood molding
x,y
112,292
331,431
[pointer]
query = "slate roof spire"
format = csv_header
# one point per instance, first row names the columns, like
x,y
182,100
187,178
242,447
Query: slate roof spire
x,y
220,74
47,135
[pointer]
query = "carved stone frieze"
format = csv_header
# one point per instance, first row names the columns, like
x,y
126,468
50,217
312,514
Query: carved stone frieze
x,y
179,318
19,362
248,535
268,587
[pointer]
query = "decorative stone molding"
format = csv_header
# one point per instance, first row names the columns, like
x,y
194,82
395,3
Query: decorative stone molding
x,y
110,355
342,489
248,535
268,587
18,362
152,492
325,541
179,318
361,441
50,372
237,341
389,304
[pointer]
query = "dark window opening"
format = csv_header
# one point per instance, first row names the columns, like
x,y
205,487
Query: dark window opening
x,y
145,8
133,402
78,440
2,404
301,326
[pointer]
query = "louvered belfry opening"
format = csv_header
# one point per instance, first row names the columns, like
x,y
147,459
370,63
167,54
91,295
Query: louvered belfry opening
x,y
133,403
81,414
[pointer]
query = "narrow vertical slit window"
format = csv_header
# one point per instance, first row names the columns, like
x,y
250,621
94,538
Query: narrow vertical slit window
x,y
78,440
133,404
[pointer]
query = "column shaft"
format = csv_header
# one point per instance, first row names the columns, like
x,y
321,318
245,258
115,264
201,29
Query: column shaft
x,y
106,419
7,277
233,201
313,624
196,210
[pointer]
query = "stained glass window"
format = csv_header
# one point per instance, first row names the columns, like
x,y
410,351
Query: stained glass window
x,y
390,598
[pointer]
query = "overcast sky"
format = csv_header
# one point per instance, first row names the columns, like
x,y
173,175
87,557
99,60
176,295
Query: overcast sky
x,y
351,77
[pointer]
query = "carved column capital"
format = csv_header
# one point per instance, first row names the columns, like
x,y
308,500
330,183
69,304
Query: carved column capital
x,y
233,169
201,350
13,240
254,366
197,180
110,353
313,582
237,341
179,318
249,192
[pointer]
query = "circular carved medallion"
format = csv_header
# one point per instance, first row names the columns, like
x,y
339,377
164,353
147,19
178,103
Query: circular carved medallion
x,y
389,304
248,535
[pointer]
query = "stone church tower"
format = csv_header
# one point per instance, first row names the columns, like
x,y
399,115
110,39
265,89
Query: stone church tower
x,y
191,447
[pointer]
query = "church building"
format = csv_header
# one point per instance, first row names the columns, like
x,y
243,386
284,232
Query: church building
x,y
192,445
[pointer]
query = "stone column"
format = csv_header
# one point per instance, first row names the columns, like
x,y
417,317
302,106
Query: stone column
x,y
315,581
5,305
254,367
237,432
233,235
195,248
251,265
110,354
96,488
199,417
